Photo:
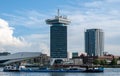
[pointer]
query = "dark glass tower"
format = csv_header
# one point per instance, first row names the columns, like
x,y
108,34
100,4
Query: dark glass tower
x,y
58,36
94,42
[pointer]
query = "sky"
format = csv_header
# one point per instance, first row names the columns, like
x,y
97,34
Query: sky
x,y
23,27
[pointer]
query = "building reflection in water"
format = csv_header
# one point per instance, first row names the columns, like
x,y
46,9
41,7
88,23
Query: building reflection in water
x,y
57,74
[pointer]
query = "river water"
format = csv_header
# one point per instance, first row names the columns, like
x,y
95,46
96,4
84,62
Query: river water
x,y
107,72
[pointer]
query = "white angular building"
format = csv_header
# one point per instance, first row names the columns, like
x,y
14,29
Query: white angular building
x,y
18,57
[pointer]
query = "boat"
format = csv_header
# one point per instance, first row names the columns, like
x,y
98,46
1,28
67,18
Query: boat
x,y
10,68
44,69
50,70
96,70
37,69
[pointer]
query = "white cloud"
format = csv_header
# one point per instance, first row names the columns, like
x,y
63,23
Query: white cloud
x,y
6,35
115,51
29,19
39,43
34,42
33,19
113,1
7,39
95,4
107,19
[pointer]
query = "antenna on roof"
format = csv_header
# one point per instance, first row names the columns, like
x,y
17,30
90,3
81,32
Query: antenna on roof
x,y
58,12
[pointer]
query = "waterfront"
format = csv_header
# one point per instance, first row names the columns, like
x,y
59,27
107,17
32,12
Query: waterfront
x,y
107,72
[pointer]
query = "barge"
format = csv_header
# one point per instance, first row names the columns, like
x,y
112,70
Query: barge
x,y
71,69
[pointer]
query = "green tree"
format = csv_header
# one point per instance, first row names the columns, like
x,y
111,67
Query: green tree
x,y
96,62
103,62
114,61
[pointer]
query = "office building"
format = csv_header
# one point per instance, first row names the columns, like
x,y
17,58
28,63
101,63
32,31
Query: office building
x,y
58,36
94,42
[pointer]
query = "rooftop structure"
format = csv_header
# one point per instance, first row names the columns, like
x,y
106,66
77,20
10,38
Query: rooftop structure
x,y
58,20
58,36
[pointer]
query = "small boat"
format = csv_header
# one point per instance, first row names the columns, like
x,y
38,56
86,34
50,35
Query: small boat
x,y
94,70
10,69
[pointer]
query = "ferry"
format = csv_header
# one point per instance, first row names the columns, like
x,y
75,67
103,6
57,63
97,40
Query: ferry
x,y
71,69
24,69
31,69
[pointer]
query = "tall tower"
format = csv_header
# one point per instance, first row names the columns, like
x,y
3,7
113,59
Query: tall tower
x,y
58,36
94,42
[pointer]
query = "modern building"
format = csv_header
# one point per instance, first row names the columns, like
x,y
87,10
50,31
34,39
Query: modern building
x,y
42,60
4,53
18,57
94,42
74,54
36,58
58,36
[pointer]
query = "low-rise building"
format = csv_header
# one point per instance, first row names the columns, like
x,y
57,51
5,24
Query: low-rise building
x,y
77,61
74,54
25,57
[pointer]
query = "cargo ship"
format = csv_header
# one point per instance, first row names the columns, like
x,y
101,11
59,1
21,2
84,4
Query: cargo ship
x,y
38,69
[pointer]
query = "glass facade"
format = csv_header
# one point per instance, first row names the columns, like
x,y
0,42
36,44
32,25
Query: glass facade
x,y
94,42
58,36
58,41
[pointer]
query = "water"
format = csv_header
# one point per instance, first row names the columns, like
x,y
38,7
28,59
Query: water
x,y
107,72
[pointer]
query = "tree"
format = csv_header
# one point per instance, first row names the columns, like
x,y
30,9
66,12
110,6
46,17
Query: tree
x,y
96,62
103,62
114,61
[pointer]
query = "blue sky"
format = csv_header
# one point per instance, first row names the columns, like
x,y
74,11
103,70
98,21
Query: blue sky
x,y
23,27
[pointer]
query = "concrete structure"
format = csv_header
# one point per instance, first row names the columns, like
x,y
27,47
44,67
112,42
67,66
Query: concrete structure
x,y
42,60
18,57
4,53
77,61
94,42
58,36
118,62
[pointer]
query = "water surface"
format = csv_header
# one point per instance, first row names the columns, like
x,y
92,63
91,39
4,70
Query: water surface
x,y
107,72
